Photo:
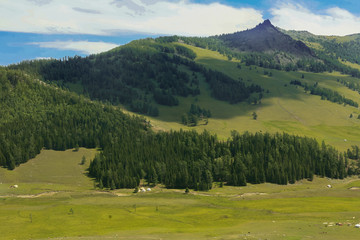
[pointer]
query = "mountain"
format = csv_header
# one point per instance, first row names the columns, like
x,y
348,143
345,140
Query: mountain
x,y
35,115
178,81
264,46
265,38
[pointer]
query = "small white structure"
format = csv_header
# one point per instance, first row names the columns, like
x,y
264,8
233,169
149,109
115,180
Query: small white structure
x,y
14,186
329,186
357,225
148,189
142,189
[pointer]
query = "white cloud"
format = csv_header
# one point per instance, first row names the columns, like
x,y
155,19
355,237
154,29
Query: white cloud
x,y
43,58
332,21
40,2
84,47
155,16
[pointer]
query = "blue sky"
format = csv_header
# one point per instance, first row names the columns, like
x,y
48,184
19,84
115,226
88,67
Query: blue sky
x,y
31,29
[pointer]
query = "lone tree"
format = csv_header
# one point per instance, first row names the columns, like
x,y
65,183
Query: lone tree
x,y
254,115
83,160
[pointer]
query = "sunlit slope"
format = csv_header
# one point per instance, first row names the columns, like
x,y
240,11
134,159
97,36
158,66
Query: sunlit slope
x,y
284,108
55,170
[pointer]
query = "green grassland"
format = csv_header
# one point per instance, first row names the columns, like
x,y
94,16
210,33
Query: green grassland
x,y
56,200
350,64
58,170
286,108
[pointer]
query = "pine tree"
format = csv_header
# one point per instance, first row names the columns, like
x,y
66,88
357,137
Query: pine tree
x,y
83,160
254,115
112,185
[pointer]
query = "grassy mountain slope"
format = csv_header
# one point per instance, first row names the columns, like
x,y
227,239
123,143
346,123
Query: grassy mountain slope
x,y
138,75
334,50
343,47
35,115
284,108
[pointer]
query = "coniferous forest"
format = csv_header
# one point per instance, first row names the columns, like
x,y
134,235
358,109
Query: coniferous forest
x,y
188,159
325,93
35,115
138,75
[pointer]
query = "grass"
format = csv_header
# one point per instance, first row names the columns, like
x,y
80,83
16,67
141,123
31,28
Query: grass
x,y
78,211
350,64
286,108
59,170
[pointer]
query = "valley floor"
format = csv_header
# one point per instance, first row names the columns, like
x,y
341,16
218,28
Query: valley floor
x,y
56,200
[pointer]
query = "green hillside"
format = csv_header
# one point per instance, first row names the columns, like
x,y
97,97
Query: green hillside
x,y
131,151
279,106
183,87
138,75
284,108
159,79
335,51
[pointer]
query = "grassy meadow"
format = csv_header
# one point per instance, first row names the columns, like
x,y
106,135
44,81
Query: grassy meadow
x,y
285,108
56,200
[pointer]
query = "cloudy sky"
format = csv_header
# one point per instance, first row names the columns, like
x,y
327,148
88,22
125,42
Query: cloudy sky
x,y
31,29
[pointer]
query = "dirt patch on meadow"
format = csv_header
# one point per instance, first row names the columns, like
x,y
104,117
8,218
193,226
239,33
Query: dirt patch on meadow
x,y
44,194
244,195
121,194
201,194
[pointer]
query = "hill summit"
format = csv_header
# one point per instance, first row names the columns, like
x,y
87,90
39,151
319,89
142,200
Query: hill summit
x,y
265,37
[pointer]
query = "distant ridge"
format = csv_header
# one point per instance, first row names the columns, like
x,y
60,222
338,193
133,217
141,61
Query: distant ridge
x,y
265,37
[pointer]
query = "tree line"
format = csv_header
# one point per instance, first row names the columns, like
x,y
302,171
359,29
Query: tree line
x,y
325,93
188,159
